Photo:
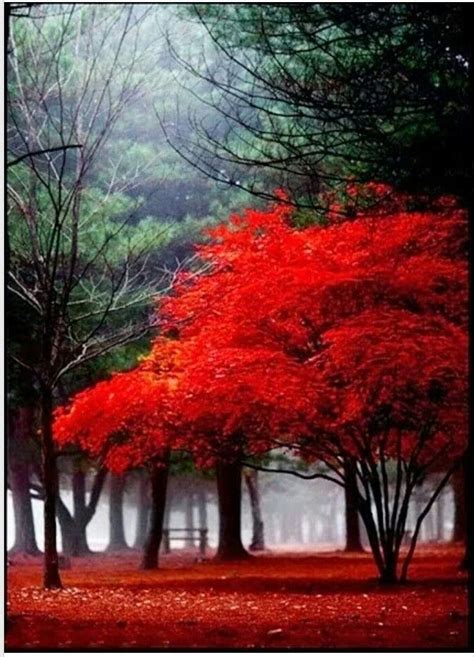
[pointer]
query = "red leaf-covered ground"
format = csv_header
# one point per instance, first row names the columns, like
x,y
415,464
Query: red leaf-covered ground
x,y
275,601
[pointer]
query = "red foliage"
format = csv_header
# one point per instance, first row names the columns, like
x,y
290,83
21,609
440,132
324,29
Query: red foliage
x,y
119,420
279,319
381,298
399,381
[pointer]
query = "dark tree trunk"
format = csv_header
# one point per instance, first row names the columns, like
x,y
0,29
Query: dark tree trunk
x,y
25,538
68,529
51,578
353,540
468,476
80,545
460,514
229,489
143,510
189,514
116,527
168,507
159,483
258,541
74,525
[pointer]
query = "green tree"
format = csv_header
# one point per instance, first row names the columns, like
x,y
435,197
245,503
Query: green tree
x,y
77,261
313,95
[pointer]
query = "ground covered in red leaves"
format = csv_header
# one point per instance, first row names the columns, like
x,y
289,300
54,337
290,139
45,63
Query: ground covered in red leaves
x,y
274,601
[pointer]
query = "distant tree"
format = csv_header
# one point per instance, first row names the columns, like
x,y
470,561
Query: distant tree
x,y
74,523
22,453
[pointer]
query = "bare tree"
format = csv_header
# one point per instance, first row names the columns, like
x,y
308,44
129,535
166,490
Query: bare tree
x,y
76,264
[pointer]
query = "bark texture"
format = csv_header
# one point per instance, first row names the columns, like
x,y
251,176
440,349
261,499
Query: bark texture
x,y
258,539
229,490
353,539
159,483
117,540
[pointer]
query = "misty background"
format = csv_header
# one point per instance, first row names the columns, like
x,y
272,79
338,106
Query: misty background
x,y
122,80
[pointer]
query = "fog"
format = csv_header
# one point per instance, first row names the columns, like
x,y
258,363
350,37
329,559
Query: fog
x,y
297,514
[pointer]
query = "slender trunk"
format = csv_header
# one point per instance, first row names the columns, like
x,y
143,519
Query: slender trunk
x,y
202,509
189,512
353,539
116,527
67,525
143,510
25,538
159,482
81,546
229,488
285,527
460,515
168,507
51,578
251,479
332,525
313,534
468,477
297,528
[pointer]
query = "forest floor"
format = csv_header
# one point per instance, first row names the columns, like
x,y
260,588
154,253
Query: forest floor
x,y
274,601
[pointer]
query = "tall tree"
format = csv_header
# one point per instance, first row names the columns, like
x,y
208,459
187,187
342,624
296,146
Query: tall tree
x,y
310,95
352,349
386,281
70,77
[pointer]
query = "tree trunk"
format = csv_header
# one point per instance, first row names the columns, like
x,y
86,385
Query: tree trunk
x,y
189,515
74,525
159,482
143,510
229,489
460,515
116,527
168,507
202,509
251,479
285,527
353,540
25,538
468,476
67,524
51,578
81,546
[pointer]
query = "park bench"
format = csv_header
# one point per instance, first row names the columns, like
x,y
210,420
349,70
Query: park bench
x,y
187,534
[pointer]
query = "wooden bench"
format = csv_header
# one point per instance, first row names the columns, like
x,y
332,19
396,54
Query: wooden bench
x,y
184,533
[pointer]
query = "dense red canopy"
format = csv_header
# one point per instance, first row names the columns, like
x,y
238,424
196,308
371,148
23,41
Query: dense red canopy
x,y
293,332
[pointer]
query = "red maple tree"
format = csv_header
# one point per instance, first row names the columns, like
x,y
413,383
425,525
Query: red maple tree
x,y
344,341
391,282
